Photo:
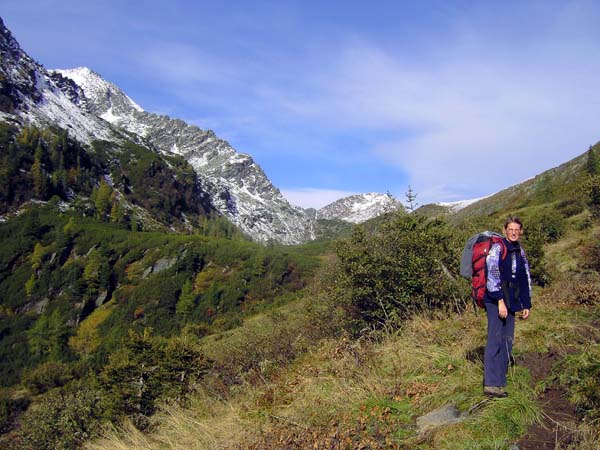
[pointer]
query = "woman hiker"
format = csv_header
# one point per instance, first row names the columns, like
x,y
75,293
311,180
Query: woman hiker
x,y
508,292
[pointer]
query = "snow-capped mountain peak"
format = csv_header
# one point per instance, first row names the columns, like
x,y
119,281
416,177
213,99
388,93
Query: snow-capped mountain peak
x,y
95,86
238,187
360,207
34,96
90,108
103,98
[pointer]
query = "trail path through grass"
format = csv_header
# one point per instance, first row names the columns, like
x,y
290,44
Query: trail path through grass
x,y
558,415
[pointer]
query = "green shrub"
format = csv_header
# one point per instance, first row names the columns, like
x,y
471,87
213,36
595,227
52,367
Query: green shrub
x,y
148,369
47,376
570,207
549,223
592,189
410,265
61,420
584,224
534,244
10,408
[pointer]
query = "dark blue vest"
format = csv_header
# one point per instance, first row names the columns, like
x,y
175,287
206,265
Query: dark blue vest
x,y
515,282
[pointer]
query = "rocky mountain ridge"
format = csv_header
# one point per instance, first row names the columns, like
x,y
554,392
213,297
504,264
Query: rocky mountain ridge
x,y
29,94
238,187
360,207
91,108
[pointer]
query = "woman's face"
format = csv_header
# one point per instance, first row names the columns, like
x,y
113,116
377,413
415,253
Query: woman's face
x,y
513,232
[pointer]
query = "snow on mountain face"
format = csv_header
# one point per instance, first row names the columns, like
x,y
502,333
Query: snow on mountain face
x,y
458,205
359,208
104,99
29,94
239,188
86,105
89,107
94,84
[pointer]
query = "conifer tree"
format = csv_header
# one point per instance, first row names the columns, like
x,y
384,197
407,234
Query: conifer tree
x,y
59,175
48,336
187,300
592,162
593,191
37,337
58,335
411,199
30,285
388,208
102,199
70,229
116,212
55,153
39,175
91,272
88,337
134,223
36,256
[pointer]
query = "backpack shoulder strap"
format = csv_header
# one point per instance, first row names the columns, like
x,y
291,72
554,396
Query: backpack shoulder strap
x,y
500,240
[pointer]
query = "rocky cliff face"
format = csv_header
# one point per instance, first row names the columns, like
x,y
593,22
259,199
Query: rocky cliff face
x,y
359,208
239,188
29,94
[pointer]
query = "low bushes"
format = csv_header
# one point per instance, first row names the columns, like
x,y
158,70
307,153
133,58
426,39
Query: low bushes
x,y
47,376
63,419
410,265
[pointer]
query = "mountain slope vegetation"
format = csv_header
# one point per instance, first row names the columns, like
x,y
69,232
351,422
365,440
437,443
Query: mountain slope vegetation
x,y
366,390
134,315
108,253
162,340
356,381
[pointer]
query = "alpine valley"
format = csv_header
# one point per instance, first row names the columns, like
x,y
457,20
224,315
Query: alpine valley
x,y
93,109
157,291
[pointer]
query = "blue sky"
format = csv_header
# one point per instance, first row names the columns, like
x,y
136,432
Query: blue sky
x,y
456,99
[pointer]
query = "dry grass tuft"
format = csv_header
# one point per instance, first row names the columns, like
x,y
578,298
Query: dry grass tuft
x,y
205,425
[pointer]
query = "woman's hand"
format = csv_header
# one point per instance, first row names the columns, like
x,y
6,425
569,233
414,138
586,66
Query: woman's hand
x,y
525,314
502,311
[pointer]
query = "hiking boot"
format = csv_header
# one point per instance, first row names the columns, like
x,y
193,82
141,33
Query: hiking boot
x,y
495,391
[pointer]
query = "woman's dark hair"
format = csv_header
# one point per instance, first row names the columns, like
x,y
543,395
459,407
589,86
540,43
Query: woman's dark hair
x,y
513,219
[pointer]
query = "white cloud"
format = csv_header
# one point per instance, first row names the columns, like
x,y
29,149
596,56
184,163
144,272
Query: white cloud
x,y
314,198
484,104
471,119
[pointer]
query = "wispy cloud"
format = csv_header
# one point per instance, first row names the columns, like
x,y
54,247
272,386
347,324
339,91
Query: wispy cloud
x,y
472,120
458,100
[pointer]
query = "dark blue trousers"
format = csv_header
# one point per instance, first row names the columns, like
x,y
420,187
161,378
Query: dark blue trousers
x,y
500,335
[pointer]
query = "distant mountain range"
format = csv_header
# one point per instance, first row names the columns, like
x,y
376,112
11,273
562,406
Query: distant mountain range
x,y
91,108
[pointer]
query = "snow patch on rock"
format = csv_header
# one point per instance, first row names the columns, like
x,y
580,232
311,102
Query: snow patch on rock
x,y
359,208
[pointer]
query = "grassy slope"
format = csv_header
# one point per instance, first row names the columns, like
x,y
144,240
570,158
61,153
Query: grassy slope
x,y
340,393
556,184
